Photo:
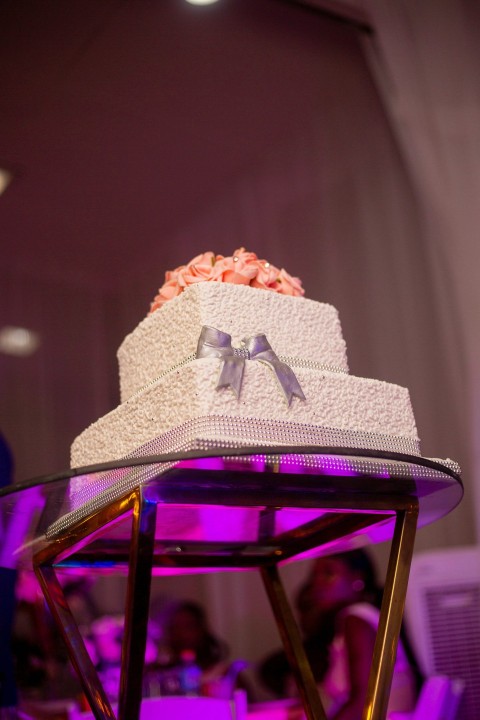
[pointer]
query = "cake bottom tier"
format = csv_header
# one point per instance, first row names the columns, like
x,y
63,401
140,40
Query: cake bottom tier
x,y
339,410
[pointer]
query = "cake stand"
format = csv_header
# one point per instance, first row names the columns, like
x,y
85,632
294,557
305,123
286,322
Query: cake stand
x,y
238,509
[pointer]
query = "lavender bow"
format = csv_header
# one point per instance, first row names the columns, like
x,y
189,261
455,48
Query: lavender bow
x,y
215,343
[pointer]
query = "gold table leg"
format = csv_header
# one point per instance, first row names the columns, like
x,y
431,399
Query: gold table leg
x,y
391,613
137,609
386,642
77,651
293,644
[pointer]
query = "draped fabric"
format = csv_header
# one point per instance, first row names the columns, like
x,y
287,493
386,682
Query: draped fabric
x,y
427,64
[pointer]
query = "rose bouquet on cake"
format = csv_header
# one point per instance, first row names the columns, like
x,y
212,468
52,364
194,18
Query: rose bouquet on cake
x,y
241,268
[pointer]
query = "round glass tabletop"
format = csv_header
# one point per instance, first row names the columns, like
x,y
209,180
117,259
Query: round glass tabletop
x,y
221,503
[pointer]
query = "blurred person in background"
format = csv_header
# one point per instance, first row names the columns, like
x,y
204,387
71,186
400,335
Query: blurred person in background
x,y
8,689
338,609
186,637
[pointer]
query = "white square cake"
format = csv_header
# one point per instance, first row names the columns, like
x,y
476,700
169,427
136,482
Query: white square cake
x,y
290,385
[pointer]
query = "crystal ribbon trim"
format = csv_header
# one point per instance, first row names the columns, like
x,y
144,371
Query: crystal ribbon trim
x,y
214,343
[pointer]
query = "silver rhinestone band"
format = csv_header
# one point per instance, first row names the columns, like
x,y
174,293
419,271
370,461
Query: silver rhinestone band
x,y
91,493
311,364
294,362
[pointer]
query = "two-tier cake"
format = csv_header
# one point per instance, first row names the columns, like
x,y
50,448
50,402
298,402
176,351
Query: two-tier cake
x,y
253,363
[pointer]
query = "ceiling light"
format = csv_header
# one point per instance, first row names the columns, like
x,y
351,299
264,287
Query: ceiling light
x,y
5,179
18,341
202,2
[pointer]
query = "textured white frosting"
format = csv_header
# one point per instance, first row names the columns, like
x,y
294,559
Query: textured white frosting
x,y
334,400
163,387
294,326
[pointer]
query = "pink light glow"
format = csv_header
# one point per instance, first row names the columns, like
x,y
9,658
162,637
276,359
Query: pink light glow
x,y
310,465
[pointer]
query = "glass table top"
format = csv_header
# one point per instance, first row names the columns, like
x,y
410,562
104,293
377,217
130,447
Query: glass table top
x,y
215,504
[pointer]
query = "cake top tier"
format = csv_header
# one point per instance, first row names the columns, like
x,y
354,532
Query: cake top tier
x,y
295,328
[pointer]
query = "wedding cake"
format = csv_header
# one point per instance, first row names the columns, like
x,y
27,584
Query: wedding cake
x,y
233,354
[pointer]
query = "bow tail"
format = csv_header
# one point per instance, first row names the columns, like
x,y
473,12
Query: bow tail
x,y
231,374
287,380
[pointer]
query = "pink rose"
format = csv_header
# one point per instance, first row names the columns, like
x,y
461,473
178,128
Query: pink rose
x,y
245,256
235,270
206,258
288,285
242,268
168,291
266,277
199,269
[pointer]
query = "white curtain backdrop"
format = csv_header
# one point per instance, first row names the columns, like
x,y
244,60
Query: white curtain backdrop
x,y
427,63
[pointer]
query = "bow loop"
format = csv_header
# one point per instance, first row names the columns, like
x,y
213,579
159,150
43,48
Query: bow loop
x,y
218,344
214,343
259,349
